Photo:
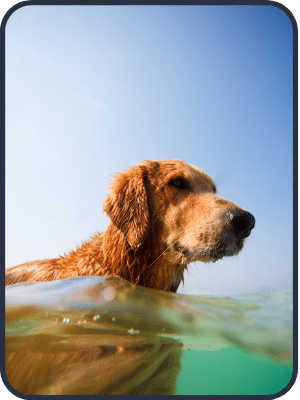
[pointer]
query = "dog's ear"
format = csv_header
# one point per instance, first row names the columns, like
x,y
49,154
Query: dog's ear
x,y
127,205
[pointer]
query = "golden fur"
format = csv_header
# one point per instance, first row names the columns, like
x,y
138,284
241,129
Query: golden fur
x,y
164,215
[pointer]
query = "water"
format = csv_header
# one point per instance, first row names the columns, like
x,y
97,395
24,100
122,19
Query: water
x,y
102,335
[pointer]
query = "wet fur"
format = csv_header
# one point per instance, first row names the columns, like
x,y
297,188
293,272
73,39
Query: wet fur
x,y
155,231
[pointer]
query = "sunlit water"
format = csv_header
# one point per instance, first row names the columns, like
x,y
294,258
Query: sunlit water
x,y
95,335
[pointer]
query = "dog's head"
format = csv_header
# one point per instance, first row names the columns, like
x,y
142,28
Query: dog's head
x,y
177,204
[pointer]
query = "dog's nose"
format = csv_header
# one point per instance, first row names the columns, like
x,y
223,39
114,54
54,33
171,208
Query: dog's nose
x,y
242,222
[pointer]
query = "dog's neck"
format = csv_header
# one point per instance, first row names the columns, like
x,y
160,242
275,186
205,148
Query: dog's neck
x,y
110,254
177,277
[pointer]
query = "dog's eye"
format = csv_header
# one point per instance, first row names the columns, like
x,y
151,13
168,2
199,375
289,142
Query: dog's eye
x,y
179,183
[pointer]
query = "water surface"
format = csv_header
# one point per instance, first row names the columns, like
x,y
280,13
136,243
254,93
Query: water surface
x,y
102,335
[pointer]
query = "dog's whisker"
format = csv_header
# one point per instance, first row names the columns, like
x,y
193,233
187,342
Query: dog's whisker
x,y
163,252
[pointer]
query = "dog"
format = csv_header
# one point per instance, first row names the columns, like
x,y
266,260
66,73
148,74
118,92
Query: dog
x,y
163,216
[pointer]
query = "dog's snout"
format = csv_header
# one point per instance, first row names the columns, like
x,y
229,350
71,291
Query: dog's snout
x,y
242,222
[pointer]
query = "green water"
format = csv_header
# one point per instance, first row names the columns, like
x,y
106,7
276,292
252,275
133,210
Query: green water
x,y
230,372
95,335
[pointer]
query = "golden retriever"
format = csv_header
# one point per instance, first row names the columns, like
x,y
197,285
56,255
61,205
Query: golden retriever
x,y
164,215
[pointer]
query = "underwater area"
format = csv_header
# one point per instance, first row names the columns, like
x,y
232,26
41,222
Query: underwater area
x,y
105,336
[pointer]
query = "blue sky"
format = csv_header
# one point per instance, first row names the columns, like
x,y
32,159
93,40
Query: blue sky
x,y
93,90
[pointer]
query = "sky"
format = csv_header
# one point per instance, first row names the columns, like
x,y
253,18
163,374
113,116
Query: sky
x,y
92,90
